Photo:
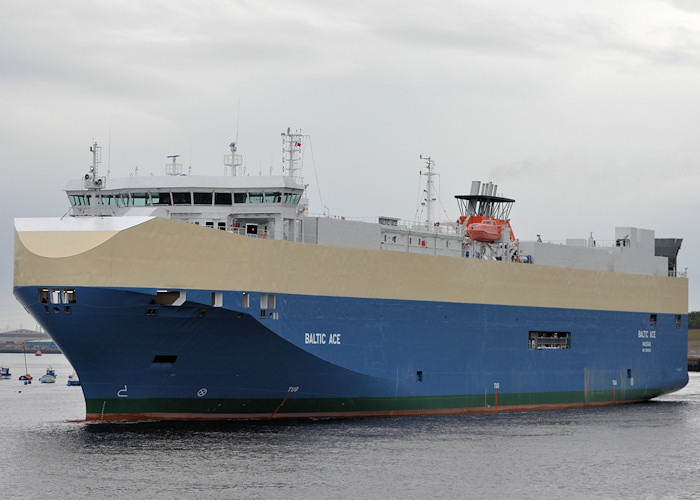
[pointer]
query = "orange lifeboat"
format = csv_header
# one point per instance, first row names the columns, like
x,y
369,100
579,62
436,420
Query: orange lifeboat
x,y
487,231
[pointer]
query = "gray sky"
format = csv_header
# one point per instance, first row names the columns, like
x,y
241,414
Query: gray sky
x,y
584,112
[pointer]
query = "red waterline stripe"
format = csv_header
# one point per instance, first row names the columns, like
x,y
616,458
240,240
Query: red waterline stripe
x,y
132,417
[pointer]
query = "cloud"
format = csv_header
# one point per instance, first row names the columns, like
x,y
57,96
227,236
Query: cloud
x,y
592,105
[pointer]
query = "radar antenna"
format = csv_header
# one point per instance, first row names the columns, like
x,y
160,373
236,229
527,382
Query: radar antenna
x,y
173,167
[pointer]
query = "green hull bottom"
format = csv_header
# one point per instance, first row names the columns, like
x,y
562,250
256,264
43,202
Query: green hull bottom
x,y
130,409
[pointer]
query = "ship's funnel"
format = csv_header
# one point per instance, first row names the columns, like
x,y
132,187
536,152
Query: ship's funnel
x,y
476,185
471,207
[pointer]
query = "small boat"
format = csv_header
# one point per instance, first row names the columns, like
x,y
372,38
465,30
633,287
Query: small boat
x,y
488,230
5,373
38,353
73,379
49,377
26,377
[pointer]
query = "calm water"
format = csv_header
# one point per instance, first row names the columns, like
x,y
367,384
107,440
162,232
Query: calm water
x,y
649,450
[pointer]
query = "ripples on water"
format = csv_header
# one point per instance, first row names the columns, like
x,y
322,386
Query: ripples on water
x,y
648,450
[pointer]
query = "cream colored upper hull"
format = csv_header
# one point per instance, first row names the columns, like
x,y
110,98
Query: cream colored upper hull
x,y
162,253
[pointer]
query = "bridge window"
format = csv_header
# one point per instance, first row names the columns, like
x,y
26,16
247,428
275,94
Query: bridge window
x,y
273,197
122,199
255,197
139,199
76,200
550,340
108,200
245,300
183,198
222,198
240,197
161,198
202,198
43,295
678,320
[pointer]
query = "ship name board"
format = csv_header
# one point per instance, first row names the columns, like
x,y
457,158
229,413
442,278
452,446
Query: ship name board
x,y
322,338
646,334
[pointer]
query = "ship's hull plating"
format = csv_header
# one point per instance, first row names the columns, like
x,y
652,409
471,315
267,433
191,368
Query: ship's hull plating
x,y
261,349
388,357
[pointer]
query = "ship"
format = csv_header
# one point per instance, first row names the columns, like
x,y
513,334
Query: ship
x,y
181,296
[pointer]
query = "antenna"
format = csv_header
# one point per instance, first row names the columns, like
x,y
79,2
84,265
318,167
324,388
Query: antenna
x,y
291,154
109,151
233,160
93,181
429,188
238,118
173,168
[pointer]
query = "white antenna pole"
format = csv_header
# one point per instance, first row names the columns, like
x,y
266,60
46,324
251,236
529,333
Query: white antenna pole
x,y
429,188
109,151
233,160
291,152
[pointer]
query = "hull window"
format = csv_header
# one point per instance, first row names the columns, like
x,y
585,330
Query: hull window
x,y
68,296
268,301
169,298
550,340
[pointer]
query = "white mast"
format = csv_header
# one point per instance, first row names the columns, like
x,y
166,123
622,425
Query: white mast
x,y
291,154
234,160
96,159
93,181
429,189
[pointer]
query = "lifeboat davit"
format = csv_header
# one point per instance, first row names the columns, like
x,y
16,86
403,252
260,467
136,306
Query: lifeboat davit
x,y
487,231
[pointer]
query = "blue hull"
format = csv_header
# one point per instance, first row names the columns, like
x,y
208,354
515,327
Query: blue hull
x,y
316,355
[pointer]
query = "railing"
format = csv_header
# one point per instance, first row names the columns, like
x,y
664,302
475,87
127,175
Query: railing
x,y
438,227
